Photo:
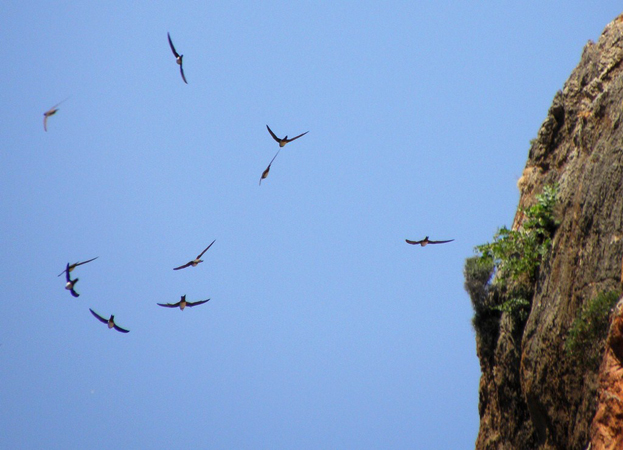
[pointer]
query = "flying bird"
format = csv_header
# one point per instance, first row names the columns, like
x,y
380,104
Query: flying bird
x,y
197,260
265,173
285,140
183,303
70,283
178,58
73,266
110,322
424,242
48,113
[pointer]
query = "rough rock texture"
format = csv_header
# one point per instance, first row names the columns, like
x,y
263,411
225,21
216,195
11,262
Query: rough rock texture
x,y
607,427
532,393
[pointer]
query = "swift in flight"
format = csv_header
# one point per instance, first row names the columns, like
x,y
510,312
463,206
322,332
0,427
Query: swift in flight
x,y
178,58
197,260
424,242
285,140
110,322
183,303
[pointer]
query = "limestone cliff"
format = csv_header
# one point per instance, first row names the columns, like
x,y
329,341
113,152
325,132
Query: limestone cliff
x,y
533,392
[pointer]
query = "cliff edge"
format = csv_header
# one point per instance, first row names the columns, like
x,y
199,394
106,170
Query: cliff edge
x,y
550,378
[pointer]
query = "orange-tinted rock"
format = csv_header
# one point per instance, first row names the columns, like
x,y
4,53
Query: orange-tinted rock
x,y
607,426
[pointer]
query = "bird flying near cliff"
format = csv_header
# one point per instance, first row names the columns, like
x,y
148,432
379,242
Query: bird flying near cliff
x,y
265,173
110,322
197,260
69,285
285,140
178,58
183,303
48,113
424,242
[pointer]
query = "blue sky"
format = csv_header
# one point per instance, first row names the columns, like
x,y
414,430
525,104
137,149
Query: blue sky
x,y
324,328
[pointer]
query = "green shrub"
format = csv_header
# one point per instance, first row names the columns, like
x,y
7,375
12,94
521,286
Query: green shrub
x,y
516,306
585,339
517,254
515,257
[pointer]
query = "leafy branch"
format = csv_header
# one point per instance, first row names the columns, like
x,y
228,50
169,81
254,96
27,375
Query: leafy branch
x,y
516,255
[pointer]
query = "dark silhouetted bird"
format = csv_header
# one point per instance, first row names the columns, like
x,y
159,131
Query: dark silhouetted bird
x,y
197,260
70,283
183,303
178,58
110,322
265,173
48,113
424,242
285,140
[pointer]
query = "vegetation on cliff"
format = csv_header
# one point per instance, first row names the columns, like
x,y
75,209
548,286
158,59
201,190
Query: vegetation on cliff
x,y
513,258
585,342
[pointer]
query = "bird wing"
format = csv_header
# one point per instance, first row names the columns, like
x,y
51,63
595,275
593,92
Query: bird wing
x,y
51,110
440,242
200,302
45,122
172,47
67,277
118,328
413,242
273,134
72,290
296,137
169,305
184,266
182,72
206,249
98,317
271,161
84,262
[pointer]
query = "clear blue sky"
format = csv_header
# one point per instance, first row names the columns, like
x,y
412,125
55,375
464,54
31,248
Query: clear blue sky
x,y
324,328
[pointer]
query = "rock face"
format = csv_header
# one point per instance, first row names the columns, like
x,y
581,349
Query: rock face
x,y
532,393
607,427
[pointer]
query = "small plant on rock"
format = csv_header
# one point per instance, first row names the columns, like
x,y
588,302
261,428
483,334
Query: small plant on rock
x,y
516,255
588,330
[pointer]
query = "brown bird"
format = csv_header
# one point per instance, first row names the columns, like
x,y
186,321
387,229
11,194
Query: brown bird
x,y
48,113
265,173
71,267
424,242
70,283
285,140
110,322
183,303
197,260
178,58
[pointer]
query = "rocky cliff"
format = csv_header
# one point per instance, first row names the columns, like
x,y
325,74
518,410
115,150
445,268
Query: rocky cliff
x,y
536,390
